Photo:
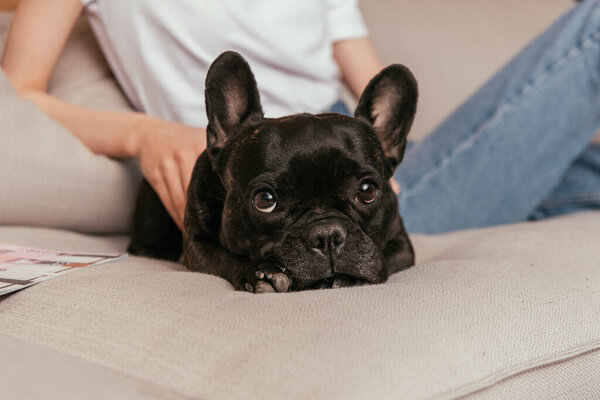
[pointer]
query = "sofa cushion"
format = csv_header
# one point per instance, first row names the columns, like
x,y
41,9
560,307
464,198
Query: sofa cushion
x,y
573,378
480,307
48,177
24,362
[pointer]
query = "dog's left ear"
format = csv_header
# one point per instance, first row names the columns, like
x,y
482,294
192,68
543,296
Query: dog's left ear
x,y
388,104
231,99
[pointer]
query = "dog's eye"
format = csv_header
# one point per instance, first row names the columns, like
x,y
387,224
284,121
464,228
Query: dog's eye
x,y
367,193
264,201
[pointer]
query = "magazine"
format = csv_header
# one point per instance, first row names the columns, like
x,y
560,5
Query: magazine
x,y
21,267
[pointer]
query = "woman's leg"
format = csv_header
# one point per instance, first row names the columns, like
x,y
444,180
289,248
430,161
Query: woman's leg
x,y
505,150
578,190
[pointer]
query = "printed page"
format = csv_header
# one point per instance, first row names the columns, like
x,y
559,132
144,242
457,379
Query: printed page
x,y
21,267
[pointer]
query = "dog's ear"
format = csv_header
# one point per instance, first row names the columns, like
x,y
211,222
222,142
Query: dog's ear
x,y
388,104
231,97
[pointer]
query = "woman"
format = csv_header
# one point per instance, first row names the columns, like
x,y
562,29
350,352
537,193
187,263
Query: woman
x,y
518,149
160,57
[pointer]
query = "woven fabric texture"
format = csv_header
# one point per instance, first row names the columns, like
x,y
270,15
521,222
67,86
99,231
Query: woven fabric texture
x,y
481,306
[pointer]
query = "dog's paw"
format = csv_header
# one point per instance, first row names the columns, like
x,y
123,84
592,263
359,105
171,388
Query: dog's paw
x,y
268,278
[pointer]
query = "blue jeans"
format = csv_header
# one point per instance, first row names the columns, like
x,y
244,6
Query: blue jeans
x,y
519,149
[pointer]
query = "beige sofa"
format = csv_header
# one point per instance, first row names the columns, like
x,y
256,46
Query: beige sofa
x,y
508,312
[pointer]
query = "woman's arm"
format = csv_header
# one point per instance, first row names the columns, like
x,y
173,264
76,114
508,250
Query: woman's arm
x,y
167,151
36,38
358,61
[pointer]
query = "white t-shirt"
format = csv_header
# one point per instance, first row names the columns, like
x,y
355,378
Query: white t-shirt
x,y
160,51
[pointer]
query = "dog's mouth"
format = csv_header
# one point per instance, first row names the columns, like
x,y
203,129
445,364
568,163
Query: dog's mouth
x,y
331,280
336,281
359,263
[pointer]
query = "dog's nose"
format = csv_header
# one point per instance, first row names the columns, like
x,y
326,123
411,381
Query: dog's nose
x,y
327,239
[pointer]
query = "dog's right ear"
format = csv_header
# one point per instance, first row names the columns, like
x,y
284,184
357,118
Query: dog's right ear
x,y
232,98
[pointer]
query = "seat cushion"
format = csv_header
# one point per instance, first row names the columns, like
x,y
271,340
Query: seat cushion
x,y
47,175
480,307
58,375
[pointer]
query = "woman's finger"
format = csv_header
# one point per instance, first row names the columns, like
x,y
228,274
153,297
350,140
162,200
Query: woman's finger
x,y
395,185
186,166
161,190
171,176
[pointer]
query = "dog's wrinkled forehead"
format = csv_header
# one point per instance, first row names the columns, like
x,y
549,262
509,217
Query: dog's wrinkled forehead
x,y
306,146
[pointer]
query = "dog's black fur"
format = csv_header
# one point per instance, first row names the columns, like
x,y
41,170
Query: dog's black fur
x,y
319,172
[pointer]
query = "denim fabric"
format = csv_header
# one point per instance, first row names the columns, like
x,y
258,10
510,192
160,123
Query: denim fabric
x,y
340,108
579,189
519,148
517,145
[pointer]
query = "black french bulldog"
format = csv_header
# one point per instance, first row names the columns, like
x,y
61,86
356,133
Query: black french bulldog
x,y
293,203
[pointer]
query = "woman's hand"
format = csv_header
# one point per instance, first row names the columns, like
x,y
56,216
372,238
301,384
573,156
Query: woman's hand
x,y
167,152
